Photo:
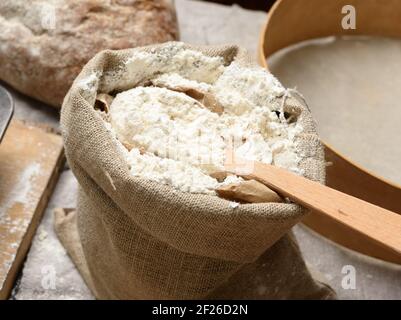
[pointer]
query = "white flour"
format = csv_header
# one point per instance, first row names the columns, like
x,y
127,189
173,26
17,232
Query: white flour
x,y
176,138
20,192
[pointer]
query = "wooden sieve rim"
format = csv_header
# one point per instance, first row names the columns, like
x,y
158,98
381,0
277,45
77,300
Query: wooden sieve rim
x,y
289,22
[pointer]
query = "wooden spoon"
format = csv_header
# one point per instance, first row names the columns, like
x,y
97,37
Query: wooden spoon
x,y
380,225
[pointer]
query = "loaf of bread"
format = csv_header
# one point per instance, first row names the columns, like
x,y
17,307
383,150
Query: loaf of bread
x,y
44,43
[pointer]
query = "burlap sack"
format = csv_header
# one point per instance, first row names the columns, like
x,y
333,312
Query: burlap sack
x,y
133,238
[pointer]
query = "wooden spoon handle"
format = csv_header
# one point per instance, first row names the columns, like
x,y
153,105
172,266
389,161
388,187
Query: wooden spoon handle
x,y
378,224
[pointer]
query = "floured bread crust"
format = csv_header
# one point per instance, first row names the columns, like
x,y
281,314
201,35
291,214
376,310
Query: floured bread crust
x,y
45,43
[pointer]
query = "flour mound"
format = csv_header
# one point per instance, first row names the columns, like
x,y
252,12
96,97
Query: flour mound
x,y
176,128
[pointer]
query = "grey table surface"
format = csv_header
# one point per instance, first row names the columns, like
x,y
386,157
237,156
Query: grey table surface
x,y
48,273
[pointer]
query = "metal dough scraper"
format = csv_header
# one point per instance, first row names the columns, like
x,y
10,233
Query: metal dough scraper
x,y
6,110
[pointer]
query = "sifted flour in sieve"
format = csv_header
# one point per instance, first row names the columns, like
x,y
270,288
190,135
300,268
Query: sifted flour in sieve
x,y
177,125
352,85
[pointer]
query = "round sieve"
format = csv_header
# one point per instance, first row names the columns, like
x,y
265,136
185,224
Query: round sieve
x,y
289,22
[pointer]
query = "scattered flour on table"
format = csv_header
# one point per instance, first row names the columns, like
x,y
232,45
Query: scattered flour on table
x,y
173,136
20,194
21,191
